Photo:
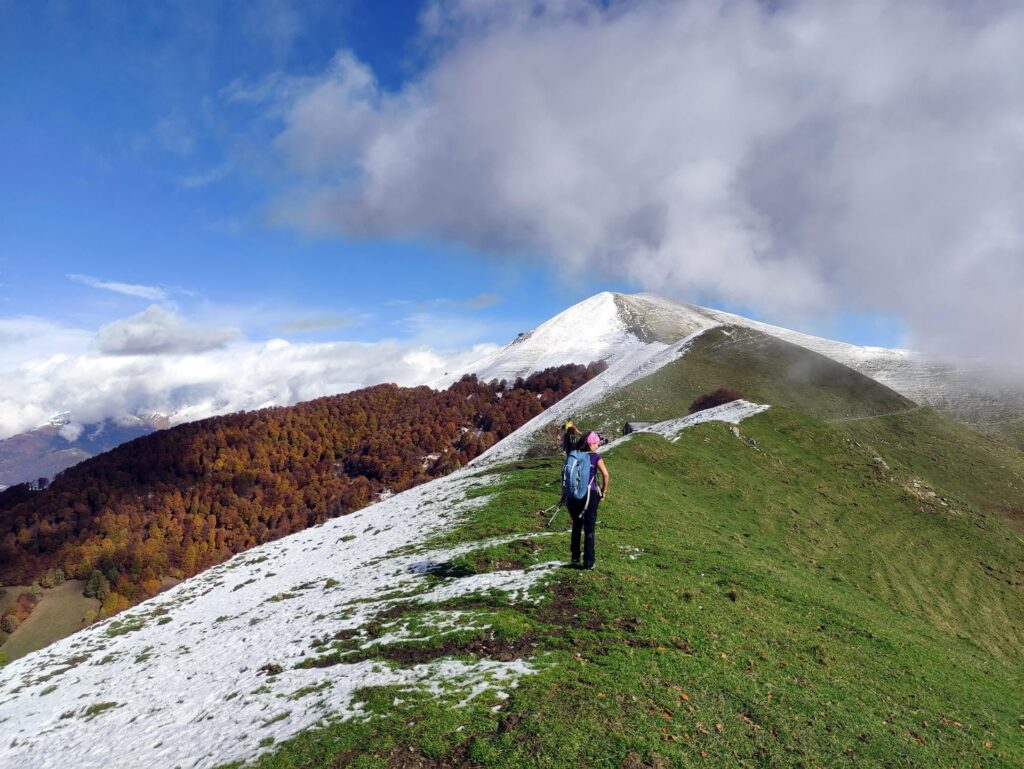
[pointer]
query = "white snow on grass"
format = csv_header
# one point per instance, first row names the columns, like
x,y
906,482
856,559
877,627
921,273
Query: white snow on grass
x,y
733,413
206,673
642,362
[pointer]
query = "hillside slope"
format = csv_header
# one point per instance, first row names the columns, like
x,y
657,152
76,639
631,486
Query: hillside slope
x,y
754,604
186,498
653,388
835,581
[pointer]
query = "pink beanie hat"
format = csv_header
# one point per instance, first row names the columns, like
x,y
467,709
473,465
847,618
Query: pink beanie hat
x,y
593,438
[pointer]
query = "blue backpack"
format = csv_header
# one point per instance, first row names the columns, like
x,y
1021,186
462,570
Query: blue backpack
x,y
576,475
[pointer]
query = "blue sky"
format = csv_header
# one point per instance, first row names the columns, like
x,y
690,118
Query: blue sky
x,y
118,149
187,178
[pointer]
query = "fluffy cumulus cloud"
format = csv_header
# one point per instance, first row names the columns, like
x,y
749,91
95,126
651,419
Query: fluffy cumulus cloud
x,y
180,373
159,331
795,157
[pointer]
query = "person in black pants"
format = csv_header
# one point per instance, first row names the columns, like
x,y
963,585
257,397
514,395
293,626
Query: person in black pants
x,y
584,511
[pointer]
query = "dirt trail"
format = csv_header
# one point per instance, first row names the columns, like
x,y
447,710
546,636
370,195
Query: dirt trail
x,y
876,416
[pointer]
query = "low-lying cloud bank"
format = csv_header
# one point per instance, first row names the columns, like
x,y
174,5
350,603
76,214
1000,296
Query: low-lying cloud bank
x,y
796,157
157,363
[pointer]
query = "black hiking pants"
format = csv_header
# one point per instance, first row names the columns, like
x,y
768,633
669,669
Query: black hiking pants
x,y
584,521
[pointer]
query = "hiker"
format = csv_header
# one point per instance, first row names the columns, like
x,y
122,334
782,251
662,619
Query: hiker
x,y
571,438
583,508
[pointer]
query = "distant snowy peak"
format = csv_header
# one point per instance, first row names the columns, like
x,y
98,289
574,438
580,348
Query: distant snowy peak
x,y
58,420
607,327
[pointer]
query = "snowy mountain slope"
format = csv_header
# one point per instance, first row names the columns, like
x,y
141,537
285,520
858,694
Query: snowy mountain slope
x,y
598,328
206,673
974,395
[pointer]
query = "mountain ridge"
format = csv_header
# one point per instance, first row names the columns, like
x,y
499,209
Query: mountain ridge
x,y
610,325
739,613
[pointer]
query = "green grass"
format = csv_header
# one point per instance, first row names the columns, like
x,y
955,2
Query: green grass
x,y
59,614
762,368
794,604
954,460
1009,431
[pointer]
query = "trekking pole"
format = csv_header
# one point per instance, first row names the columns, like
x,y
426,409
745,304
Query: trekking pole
x,y
552,518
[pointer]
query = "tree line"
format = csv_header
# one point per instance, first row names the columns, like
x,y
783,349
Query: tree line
x,y
178,501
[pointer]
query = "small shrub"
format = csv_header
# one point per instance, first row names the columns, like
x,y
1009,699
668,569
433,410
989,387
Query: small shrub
x,y
714,398
98,586
113,604
18,612
52,578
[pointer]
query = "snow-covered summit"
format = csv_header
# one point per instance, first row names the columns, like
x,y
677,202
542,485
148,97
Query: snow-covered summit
x,y
608,327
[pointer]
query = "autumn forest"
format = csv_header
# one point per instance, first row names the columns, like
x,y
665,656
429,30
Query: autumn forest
x,y
175,502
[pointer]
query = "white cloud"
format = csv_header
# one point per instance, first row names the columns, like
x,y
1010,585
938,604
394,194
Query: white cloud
x,y
70,431
153,293
158,331
793,158
91,385
29,337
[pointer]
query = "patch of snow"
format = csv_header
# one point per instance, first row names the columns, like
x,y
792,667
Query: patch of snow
x,y
201,674
733,413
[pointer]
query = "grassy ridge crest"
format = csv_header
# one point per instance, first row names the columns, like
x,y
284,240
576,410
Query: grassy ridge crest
x,y
786,598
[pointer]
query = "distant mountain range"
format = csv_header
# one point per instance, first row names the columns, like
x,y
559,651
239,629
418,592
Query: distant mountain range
x,y
45,451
